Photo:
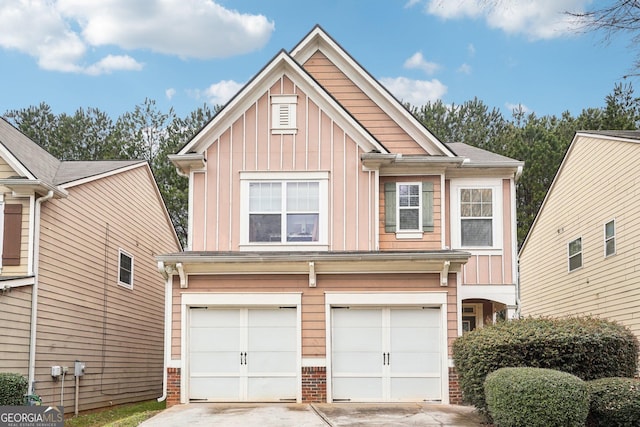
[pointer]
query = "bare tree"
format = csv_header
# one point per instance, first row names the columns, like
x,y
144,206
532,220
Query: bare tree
x,y
617,17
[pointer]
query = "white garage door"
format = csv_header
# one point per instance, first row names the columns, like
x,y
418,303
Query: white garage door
x,y
242,354
386,354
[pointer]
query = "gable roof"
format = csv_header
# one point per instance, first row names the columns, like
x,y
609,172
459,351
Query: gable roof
x,y
477,157
629,136
319,40
40,171
282,63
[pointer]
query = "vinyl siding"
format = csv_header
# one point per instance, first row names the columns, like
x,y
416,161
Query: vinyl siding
x,y
83,313
249,145
597,183
15,318
354,100
313,299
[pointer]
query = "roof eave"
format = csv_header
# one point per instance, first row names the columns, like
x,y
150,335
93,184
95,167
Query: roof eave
x,y
27,186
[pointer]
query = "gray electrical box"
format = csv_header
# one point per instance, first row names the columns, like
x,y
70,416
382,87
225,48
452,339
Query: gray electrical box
x,y
79,369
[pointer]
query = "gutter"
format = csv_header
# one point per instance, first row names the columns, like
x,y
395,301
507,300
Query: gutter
x,y
34,291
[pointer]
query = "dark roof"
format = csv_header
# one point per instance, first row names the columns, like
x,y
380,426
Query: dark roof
x,y
47,168
629,134
73,171
478,155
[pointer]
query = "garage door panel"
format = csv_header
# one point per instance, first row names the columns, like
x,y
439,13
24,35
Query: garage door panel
x,y
281,361
415,388
201,317
272,338
365,388
355,339
214,362
267,318
416,363
357,318
358,362
215,339
215,388
267,388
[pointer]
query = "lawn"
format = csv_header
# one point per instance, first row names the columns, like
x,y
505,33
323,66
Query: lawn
x,y
121,416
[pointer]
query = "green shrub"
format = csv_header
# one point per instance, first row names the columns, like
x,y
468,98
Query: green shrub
x,y
13,387
586,347
615,402
536,397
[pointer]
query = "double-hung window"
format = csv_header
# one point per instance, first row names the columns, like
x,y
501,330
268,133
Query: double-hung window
x,y
409,207
610,238
574,249
476,217
287,211
125,269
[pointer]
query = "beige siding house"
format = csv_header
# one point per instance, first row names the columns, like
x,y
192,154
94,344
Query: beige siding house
x,y
581,254
336,247
79,280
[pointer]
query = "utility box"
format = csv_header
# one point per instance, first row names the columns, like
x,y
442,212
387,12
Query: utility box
x,y
56,371
79,369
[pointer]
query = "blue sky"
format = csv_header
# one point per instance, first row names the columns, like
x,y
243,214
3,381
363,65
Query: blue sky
x,y
112,54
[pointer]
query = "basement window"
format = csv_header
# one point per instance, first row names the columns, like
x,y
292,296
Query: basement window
x,y
125,269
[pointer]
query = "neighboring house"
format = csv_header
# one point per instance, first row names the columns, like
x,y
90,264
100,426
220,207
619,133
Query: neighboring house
x,y
78,279
336,247
582,253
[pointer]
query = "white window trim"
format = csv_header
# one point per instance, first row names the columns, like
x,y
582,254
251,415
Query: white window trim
x,y
322,177
409,233
569,254
277,103
498,221
121,283
614,238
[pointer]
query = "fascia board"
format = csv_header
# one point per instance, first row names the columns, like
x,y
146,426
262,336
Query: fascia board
x,y
14,163
281,64
317,39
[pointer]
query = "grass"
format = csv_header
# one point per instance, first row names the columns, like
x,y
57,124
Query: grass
x,y
120,416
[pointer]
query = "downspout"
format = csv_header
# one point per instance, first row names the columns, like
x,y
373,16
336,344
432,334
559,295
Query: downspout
x,y
34,291
166,273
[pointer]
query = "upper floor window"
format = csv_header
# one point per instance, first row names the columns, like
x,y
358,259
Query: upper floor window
x,y
575,254
610,238
125,269
476,217
286,211
408,208
283,113
477,214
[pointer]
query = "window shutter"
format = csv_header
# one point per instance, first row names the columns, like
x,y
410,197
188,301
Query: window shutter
x,y
390,207
427,206
12,234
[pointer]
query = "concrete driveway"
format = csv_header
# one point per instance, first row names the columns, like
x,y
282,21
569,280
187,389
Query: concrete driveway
x,y
315,415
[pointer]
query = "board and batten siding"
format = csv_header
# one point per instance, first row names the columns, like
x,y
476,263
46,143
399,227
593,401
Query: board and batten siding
x,y
367,112
84,314
15,321
313,299
249,145
598,183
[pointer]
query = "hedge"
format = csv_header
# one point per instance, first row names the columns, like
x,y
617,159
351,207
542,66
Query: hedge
x,y
615,402
13,388
586,347
536,397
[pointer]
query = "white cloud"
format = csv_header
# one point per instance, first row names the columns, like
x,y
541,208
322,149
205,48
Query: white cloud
x,y
415,92
111,63
411,3
464,69
170,93
417,61
221,92
471,50
537,19
59,33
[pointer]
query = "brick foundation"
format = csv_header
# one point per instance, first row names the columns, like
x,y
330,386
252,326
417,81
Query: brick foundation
x,y
455,393
314,384
173,386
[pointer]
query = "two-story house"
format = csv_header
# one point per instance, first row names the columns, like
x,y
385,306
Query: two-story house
x,y
336,247
78,279
581,254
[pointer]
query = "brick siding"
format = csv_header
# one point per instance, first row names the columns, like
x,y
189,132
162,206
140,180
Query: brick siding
x,y
314,384
173,386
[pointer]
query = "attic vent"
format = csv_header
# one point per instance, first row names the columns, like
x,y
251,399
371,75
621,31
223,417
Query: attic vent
x,y
283,114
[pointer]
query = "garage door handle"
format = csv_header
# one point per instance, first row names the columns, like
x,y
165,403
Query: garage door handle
x,y
386,359
243,358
